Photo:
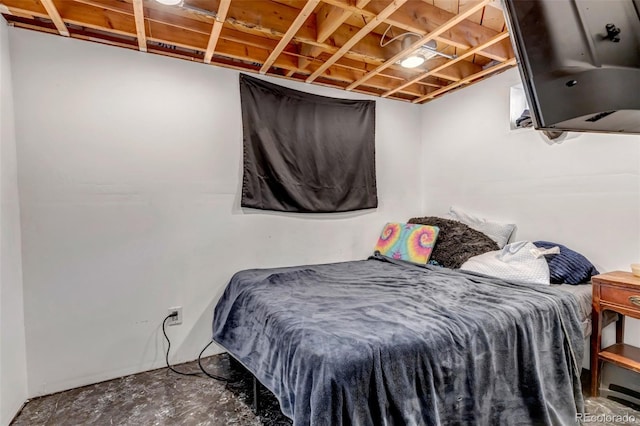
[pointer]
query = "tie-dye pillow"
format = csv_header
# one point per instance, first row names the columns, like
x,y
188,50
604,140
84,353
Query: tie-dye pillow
x,y
406,241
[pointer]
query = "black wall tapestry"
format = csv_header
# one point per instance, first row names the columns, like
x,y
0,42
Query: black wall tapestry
x,y
304,152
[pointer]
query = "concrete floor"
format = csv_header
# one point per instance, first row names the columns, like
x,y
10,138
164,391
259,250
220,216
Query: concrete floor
x,y
161,397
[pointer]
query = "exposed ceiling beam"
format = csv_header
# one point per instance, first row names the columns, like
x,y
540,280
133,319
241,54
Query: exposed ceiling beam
x,y
289,34
421,17
55,17
223,9
380,83
274,36
138,13
384,14
289,62
433,71
246,20
456,19
511,62
308,54
176,30
329,18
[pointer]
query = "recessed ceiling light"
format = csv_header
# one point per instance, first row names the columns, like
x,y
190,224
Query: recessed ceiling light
x,y
170,2
412,61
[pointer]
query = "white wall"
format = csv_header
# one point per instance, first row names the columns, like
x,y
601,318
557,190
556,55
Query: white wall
x,y
584,192
13,373
130,169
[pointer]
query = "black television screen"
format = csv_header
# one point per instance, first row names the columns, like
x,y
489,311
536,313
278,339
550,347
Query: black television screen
x,y
579,61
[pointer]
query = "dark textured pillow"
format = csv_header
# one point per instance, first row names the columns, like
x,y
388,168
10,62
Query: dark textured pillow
x,y
456,241
567,267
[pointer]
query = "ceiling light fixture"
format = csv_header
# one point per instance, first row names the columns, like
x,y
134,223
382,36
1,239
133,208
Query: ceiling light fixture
x,y
412,61
415,59
420,54
170,2
186,6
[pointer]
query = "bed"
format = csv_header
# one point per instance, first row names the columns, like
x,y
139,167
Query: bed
x,y
380,341
583,295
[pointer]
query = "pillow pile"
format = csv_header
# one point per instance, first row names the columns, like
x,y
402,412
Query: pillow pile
x,y
567,267
498,232
457,242
410,242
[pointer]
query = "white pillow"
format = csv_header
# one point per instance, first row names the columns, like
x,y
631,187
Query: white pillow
x,y
515,262
498,232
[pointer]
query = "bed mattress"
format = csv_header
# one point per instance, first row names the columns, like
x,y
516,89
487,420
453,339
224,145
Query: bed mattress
x,y
381,342
583,294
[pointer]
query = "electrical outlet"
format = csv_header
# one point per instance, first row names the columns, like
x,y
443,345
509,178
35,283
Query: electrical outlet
x,y
177,320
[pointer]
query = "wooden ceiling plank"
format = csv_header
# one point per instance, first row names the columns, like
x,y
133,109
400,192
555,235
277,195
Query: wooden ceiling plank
x,y
288,62
504,47
251,22
385,13
54,15
177,37
167,16
450,6
221,16
309,53
493,18
511,62
236,50
379,83
185,22
329,18
119,20
289,34
456,19
421,17
249,42
29,14
391,74
433,71
31,7
16,12
476,17
138,13
18,20
271,24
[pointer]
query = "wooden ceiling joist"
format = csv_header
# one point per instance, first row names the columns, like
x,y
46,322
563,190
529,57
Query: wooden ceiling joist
x,y
138,13
456,19
435,70
223,8
286,37
329,18
328,42
308,54
422,18
511,62
55,17
384,14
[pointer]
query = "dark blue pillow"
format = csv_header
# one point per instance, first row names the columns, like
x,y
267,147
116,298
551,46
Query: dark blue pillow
x,y
567,267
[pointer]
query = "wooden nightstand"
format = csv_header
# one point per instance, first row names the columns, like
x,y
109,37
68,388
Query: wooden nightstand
x,y
619,292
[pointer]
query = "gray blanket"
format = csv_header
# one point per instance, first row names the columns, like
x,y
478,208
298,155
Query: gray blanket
x,y
380,342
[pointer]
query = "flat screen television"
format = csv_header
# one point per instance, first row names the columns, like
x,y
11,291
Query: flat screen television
x,y
579,61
